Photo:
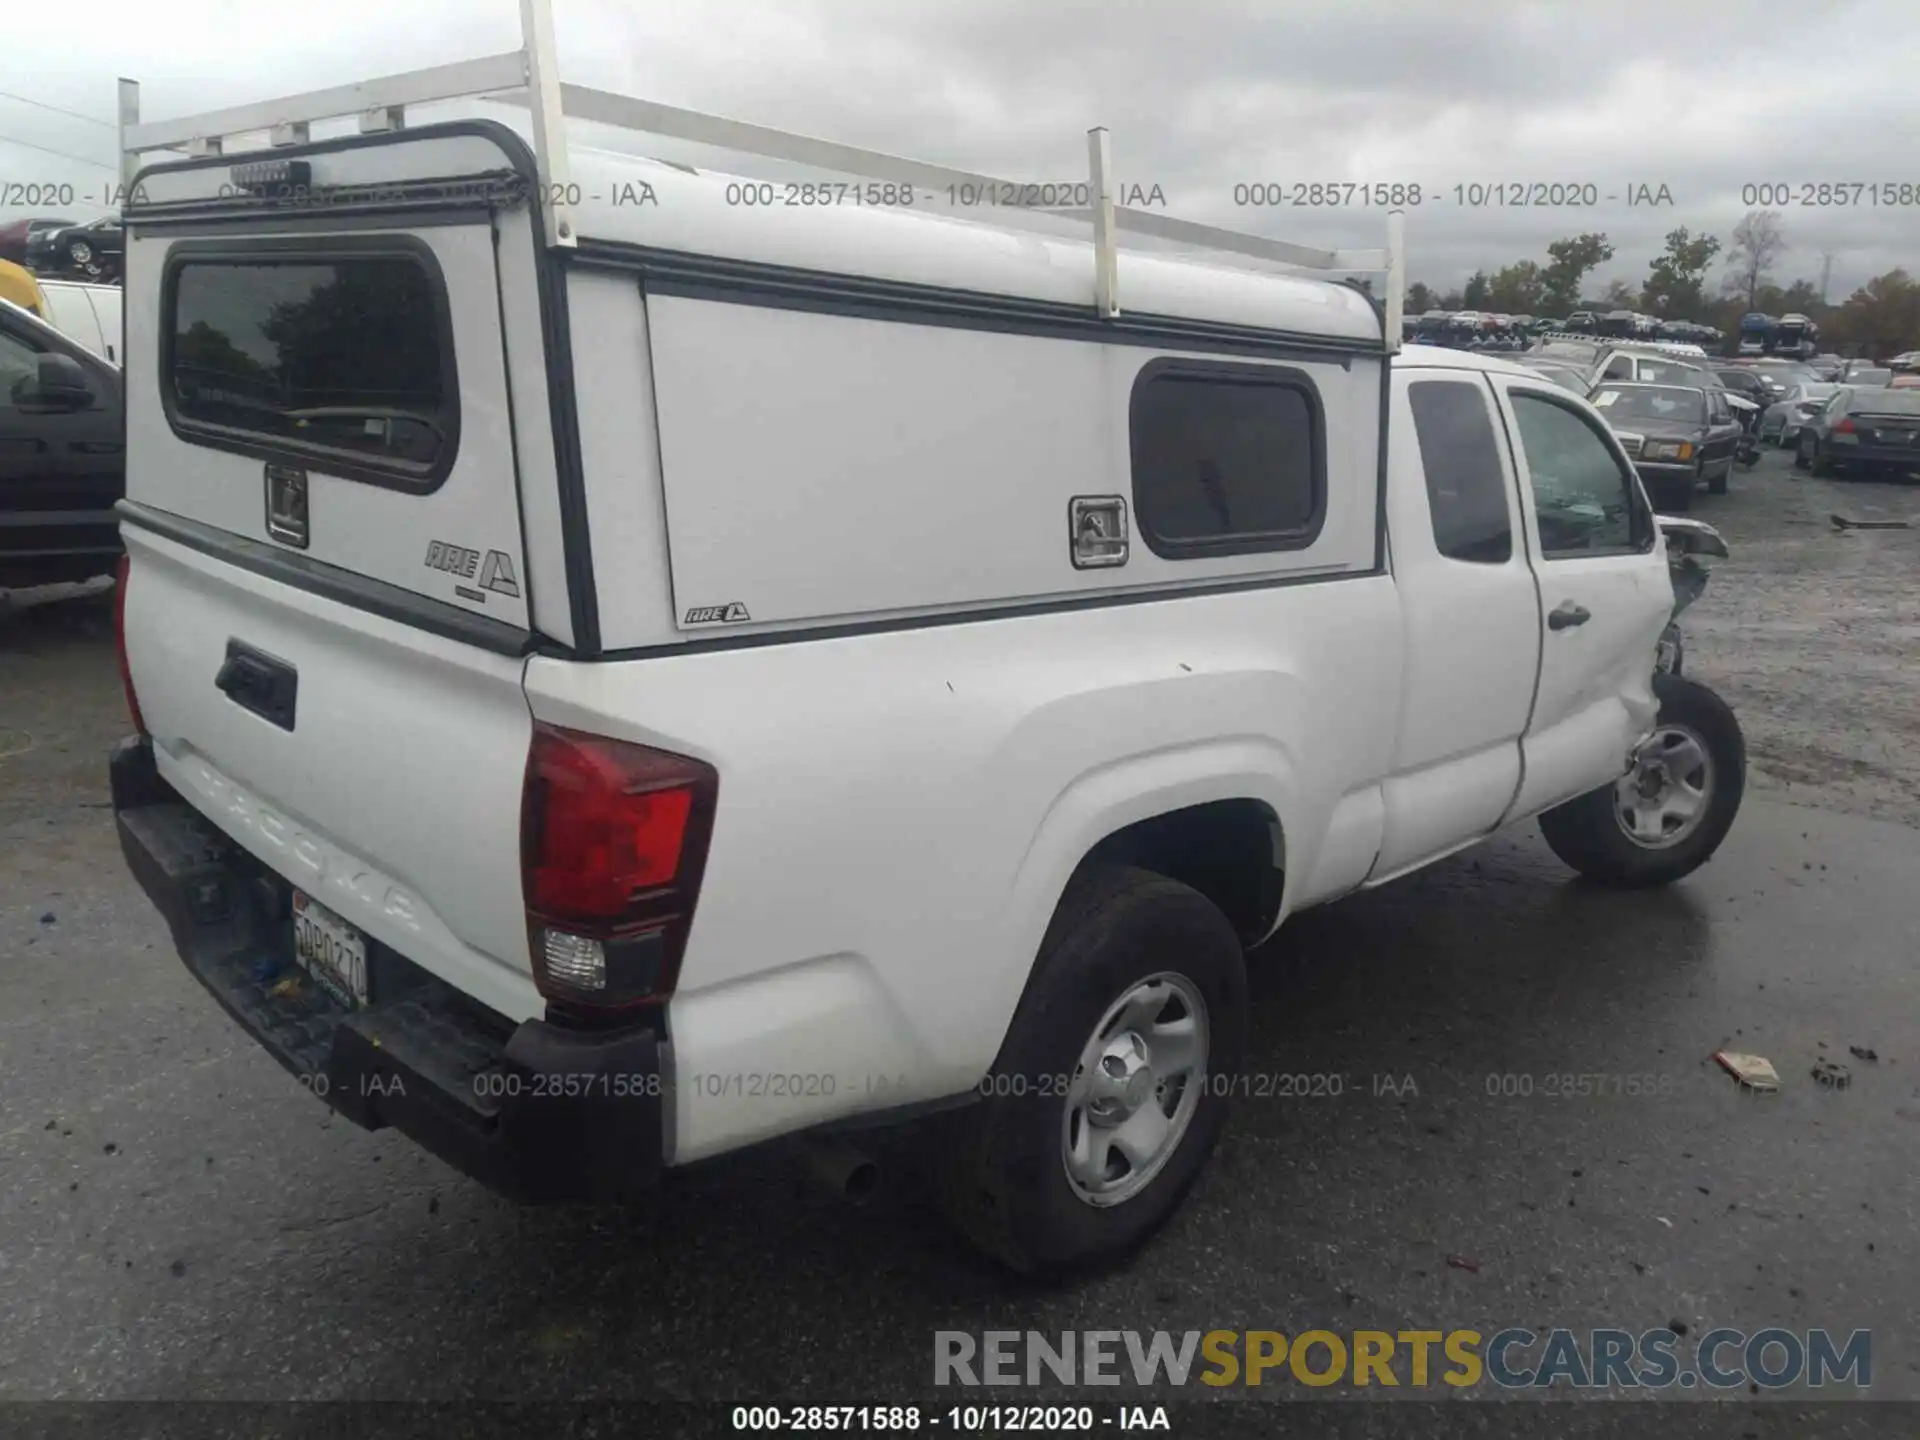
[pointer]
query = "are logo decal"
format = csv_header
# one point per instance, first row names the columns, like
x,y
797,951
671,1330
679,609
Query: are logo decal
x,y
729,614
462,561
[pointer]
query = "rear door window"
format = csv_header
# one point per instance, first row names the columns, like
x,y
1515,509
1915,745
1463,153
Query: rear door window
x,y
341,360
1466,488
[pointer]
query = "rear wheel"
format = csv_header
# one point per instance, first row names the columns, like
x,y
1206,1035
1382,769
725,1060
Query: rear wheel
x,y
1112,1085
1666,816
1803,452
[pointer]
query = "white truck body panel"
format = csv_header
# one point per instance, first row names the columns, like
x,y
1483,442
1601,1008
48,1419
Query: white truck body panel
x,y
918,891
791,492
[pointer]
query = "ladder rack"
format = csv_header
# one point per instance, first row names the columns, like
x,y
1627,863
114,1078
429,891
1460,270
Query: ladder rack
x,y
530,77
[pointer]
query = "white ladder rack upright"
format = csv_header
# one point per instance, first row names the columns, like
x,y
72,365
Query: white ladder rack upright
x,y
530,76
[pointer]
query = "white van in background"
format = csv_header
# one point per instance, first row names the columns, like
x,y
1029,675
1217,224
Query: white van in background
x,y
87,314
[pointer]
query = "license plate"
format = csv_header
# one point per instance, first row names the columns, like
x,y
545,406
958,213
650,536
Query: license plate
x,y
330,950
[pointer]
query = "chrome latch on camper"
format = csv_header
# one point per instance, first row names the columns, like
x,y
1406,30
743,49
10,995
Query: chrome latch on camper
x,y
287,505
1098,525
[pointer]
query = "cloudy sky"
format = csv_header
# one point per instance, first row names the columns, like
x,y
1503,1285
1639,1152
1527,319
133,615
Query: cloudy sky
x,y
1201,96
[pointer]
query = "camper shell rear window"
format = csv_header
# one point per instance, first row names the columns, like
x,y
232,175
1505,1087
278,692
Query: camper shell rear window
x,y
334,354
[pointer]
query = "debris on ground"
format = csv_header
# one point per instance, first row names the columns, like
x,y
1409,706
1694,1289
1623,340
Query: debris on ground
x,y
1833,1076
1461,1262
1756,1072
1841,522
1664,1221
1863,1052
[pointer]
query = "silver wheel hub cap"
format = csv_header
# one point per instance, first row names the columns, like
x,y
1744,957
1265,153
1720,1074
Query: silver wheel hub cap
x,y
1134,1090
1664,795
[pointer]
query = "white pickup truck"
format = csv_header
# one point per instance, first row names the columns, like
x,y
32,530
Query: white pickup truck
x,y
627,667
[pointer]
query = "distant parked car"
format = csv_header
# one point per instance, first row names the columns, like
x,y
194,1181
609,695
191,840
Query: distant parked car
x,y
1780,376
1909,360
16,236
1782,420
1581,320
1677,436
1746,381
1862,430
1861,373
1626,325
92,251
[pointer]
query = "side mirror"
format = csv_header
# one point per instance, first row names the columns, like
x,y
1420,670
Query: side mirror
x,y
59,384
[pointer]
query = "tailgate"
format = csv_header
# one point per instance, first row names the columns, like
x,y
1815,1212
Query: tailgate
x,y
325,607
393,799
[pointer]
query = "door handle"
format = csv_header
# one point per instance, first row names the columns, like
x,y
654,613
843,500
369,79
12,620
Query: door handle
x,y
1567,614
258,682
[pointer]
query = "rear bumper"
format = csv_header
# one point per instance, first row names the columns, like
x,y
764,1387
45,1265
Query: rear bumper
x,y
537,1112
1901,457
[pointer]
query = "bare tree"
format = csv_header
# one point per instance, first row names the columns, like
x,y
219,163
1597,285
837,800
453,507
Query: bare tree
x,y
1757,244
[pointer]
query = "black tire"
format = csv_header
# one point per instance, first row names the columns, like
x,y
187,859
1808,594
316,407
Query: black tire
x,y
1802,452
1718,484
1819,465
1588,835
1000,1164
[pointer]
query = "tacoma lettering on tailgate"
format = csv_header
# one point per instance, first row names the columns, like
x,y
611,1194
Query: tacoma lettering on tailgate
x,y
329,874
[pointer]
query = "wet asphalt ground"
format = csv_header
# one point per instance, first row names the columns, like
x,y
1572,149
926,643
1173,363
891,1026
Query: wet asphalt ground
x,y
179,1219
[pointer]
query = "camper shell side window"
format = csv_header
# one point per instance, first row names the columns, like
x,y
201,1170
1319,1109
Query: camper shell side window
x,y
1228,459
335,352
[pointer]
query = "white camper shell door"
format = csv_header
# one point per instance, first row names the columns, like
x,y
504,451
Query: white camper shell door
x,y
225,328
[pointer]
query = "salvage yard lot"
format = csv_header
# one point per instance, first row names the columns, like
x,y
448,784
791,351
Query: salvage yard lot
x,y
179,1219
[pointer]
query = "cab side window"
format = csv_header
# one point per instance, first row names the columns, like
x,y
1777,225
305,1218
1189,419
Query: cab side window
x,y
1586,502
1466,488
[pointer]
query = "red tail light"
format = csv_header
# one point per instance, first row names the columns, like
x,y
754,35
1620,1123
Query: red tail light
x,y
613,840
120,642
1845,427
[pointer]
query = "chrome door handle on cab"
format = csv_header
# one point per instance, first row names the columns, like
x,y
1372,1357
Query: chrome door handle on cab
x,y
1568,614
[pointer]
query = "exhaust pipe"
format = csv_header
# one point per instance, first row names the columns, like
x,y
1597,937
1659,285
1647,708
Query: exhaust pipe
x,y
841,1170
